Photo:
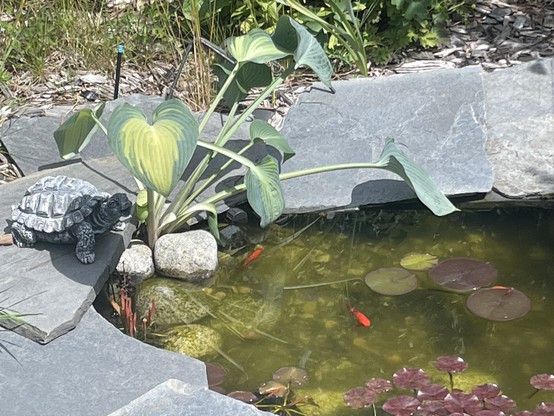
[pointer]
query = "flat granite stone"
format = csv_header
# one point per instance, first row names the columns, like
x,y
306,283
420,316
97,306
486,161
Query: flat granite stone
x,y
31,143
93,370
176,398
519,104
437,118
48,282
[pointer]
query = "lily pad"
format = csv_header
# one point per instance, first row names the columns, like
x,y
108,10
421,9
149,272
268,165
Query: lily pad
x,y
418,261
499,303
391,281
463,274
294,375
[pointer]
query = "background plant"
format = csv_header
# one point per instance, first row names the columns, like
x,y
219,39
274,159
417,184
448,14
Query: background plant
x,y
157,154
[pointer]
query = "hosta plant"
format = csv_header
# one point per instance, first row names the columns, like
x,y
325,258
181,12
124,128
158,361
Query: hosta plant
x,y
158,153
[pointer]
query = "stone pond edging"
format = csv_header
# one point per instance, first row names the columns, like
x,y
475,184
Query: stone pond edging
x,y
490,134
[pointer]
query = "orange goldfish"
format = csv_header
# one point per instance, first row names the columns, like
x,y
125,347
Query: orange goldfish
x,y
360,317
253,255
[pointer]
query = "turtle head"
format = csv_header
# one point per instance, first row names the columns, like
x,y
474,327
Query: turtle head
x,y
118,205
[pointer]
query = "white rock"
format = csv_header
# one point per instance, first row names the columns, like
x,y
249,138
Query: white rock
x,y
190,256
136,263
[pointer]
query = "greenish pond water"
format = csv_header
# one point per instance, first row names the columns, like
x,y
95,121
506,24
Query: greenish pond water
x,y
313,328
406,331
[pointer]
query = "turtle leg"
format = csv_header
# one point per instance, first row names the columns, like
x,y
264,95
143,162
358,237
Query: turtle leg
x,y
23,236
84,250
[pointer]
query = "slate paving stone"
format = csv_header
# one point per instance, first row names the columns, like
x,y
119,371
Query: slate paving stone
x,y
520,123
48,282
93,370
175,398
436,117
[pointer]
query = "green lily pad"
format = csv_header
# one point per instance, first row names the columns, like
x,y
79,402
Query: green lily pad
x,y
418,261
391,281
498,303
463,274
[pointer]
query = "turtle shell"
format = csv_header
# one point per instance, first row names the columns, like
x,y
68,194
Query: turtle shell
x,y
55,203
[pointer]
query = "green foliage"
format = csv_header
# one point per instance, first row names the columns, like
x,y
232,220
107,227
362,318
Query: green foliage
x,y
358,31
157,154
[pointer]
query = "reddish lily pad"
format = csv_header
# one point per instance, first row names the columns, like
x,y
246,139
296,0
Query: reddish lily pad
x,y
463,274
542,381
378,385
215,374
358,397
486,391
459,402
401,405
391,281
410,378
501,402
273,388
243,396
450,363
432,392
432,408
498,303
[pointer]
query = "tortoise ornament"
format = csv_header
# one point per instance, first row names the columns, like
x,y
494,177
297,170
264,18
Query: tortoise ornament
x,y
65,210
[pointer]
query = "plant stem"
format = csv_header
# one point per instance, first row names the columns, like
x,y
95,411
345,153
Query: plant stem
x,y
320,284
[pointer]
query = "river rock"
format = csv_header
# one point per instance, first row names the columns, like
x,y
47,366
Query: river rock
x,y
176,302
197,341
136,263
189,256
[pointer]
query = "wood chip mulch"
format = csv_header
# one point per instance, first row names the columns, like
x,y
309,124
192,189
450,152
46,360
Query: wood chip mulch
x,y
495,34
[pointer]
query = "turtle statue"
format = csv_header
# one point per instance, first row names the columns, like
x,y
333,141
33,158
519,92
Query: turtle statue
x,y
65,210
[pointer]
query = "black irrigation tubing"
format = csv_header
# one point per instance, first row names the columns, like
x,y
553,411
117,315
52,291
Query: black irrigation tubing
x,y
118,70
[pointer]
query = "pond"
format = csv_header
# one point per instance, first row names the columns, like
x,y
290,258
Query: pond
x,y
314,327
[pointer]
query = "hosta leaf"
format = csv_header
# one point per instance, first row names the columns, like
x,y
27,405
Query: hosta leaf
x,y
156,154
256,46
250,75
75,133
263,190
291,36
418,261
394,160
262,130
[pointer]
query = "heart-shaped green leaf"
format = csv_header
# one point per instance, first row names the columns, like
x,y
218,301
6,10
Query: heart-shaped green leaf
x,y
262,130
291,36
156,154
394,160
263,190
256,46
75,133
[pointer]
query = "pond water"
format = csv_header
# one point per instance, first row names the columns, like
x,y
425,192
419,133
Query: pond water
x,y
313,328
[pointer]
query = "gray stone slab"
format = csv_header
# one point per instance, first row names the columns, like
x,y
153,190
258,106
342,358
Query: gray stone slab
x,y
30,140
436,117
48,282
93,370
519,104
176,398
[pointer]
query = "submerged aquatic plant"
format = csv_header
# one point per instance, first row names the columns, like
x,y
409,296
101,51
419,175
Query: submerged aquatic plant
x,y
431,399
276,395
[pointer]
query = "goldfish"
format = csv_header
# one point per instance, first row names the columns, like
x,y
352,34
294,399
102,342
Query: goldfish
x,y
360,317
253,255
